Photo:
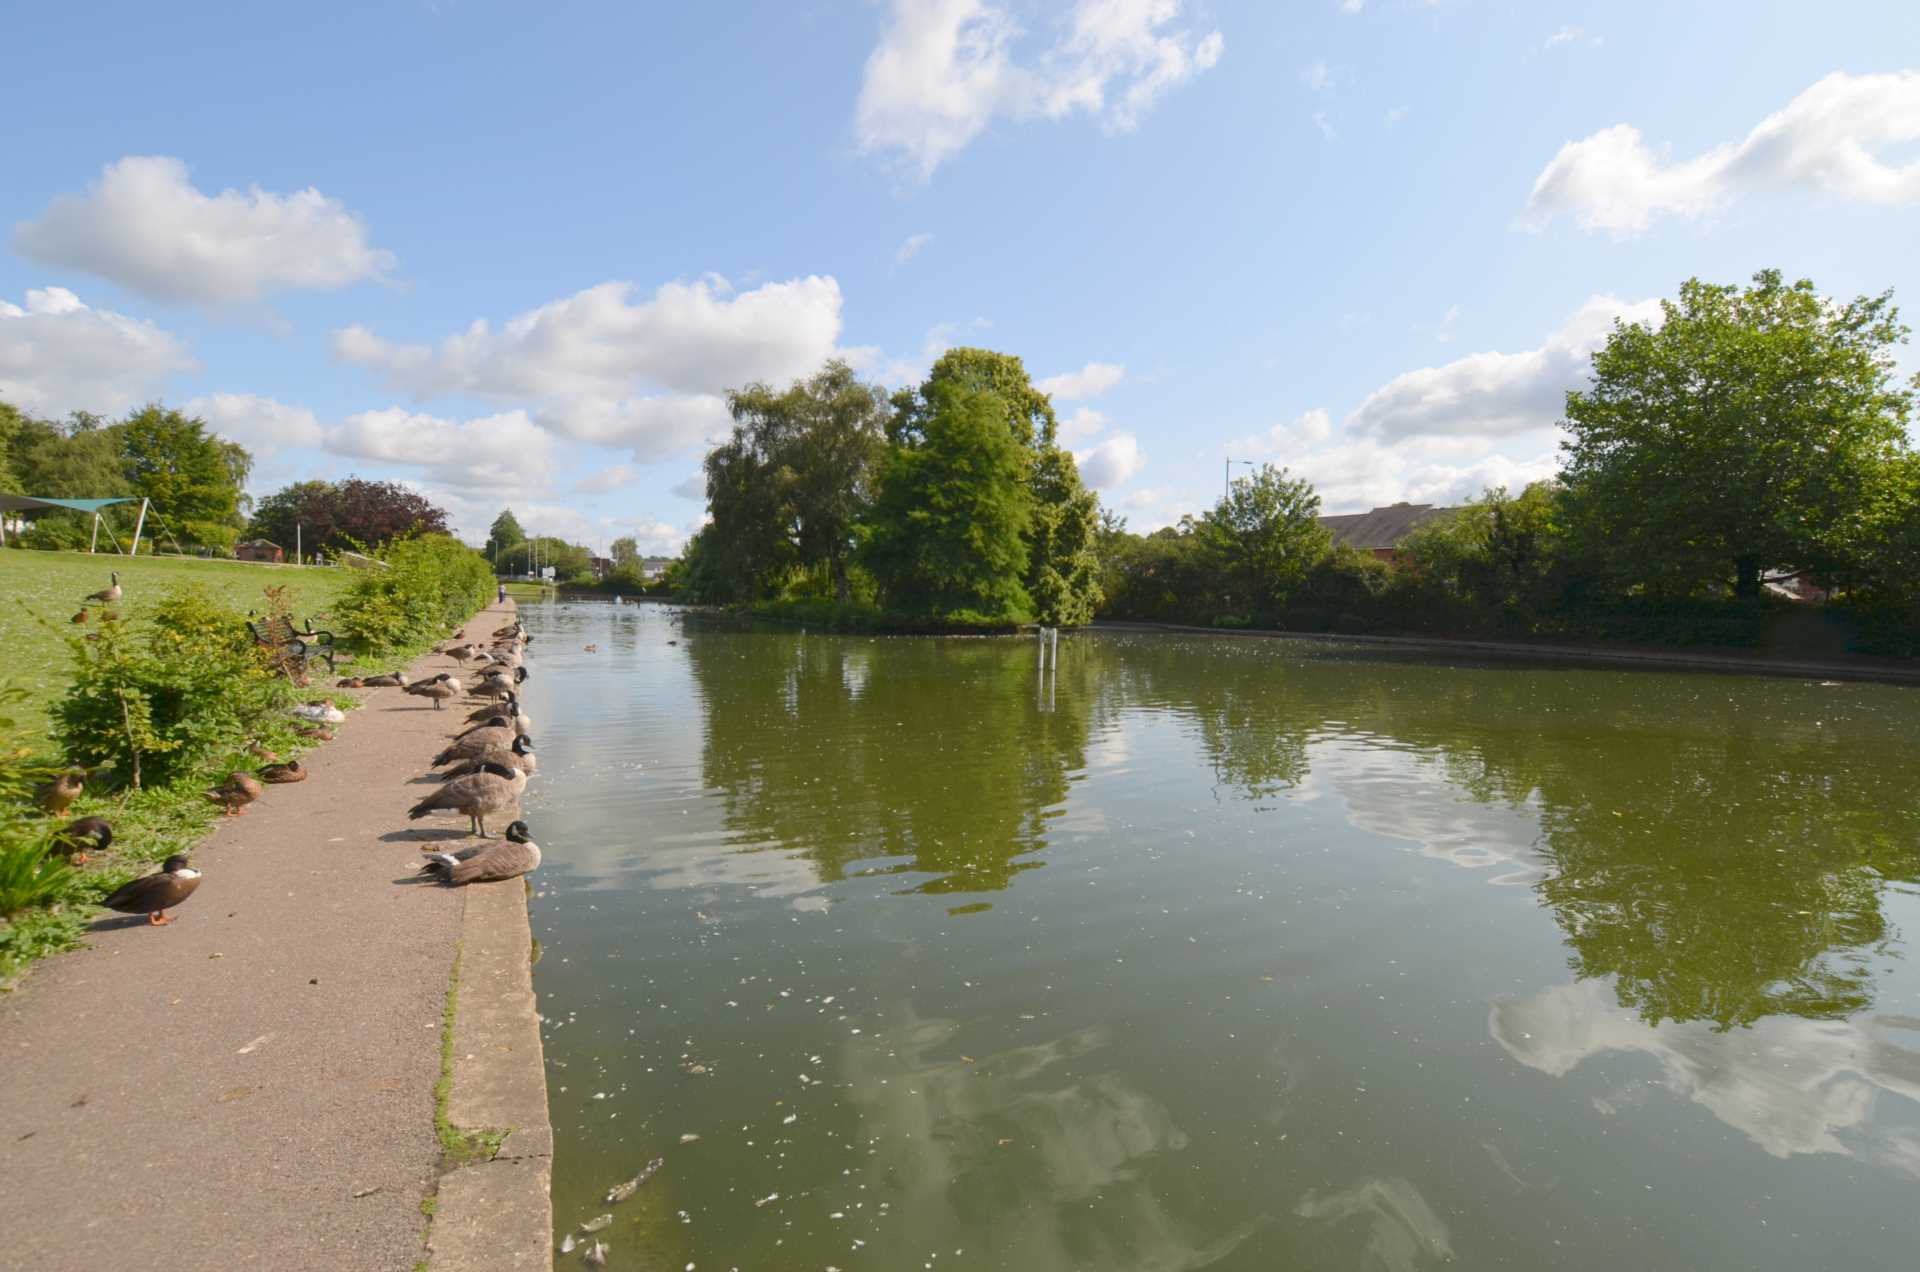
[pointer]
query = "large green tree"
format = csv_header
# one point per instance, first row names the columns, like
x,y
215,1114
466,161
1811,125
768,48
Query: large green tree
x,y
1063,564
949,529
1740,434
1264,538
789,485
504,535
624,551
188,473
351,514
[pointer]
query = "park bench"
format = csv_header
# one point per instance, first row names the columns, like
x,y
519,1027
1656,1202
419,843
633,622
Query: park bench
x,y
292,647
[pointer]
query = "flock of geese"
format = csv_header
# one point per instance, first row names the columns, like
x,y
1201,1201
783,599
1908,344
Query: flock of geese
x,y
484,771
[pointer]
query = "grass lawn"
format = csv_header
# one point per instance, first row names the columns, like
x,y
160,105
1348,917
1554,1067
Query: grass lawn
x,y
49,585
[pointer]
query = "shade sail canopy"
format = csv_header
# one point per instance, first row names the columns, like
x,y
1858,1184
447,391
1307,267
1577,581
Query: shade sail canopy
x,y
27,503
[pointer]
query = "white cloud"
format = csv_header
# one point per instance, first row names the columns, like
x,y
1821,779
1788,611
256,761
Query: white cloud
x,y
946,69
1352,6
1494,394
693,486
505,451
1317,76
1082,424
1825,139
1571,35
1394,115
910,248
1089,381
59,355
603,480
592,365
1111,463
144,226
1443,331
260,424
1328,133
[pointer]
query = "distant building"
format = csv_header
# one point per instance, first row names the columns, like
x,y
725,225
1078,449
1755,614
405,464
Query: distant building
x,y
653,567
1381,531
601,566
258,550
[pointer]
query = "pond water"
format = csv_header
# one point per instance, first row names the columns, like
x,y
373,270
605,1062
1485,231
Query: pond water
x,y
1218,952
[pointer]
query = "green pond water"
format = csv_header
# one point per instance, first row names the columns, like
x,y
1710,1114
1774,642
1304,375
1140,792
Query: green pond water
x,y
1218,953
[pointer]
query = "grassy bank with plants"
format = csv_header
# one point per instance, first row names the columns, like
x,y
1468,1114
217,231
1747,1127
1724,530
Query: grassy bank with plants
x,y
167,695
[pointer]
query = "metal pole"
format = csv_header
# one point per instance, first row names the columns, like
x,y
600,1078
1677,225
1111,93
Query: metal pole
x,y
138,526
296,542
94,541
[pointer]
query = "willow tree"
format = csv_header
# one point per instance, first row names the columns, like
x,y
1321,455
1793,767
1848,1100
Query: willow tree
x,y
1063,562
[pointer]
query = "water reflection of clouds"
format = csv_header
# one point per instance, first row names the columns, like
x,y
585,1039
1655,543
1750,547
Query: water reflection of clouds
x,y
1402,1231
1402,794
1043,1167
1790,1085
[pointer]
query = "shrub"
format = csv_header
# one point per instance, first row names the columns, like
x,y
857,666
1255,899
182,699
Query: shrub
x,y
158,705
30,876
431,584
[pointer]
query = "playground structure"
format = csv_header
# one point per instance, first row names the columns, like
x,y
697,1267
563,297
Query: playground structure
x,y
31,503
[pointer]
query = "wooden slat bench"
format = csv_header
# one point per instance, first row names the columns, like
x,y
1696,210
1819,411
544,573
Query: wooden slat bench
x,y
290,646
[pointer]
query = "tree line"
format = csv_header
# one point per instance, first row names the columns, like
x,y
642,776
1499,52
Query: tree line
x,y
1757,434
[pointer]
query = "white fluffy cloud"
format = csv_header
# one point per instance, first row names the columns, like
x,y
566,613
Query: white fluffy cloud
x,y
945,69
1444,434
505,451
603,480
144,226
260,424
57,355
603,367
1089,381
1827,139
1497,394
1110,463
910,247
1082,424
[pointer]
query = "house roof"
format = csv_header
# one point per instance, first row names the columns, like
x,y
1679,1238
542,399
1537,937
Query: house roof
x,y
1381,528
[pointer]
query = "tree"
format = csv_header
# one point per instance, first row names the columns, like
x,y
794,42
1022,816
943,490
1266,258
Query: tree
x,y
186,471
950,524
624,552
1063,563
1739,435
504,536
1264,537
350,515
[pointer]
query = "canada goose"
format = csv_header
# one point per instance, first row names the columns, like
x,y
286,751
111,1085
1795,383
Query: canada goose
x,y
389,680
498,720
57,796
510,709
236,793
494,789
520,756
439,689
495,687
291,771
154,894
108,595
459,653
83,835
478,743
510,858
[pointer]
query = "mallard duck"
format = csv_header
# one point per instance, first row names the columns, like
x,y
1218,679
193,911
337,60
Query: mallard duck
x,y
317,732
519,755
80,617
494,789
259,752
473,745
350,682
321,713
391,680
57,796
108,595
281,774
439,689
236,793
83,835
509,858
154,894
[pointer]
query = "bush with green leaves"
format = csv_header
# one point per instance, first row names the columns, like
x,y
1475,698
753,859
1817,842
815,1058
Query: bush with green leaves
x,y
157,704
430,585
29,876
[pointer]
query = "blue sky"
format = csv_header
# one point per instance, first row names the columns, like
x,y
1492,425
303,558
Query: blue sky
x,y
513,254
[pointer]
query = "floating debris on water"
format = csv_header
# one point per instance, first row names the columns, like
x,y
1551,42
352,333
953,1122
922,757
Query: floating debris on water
x,y
596,1255
620,1192
567,1244
596,1223
689,1139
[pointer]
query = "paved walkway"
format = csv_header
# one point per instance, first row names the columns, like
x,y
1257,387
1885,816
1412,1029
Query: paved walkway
x,y
252,1086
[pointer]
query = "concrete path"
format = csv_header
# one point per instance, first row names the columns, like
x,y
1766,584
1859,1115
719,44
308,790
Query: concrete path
x,y
252,1086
